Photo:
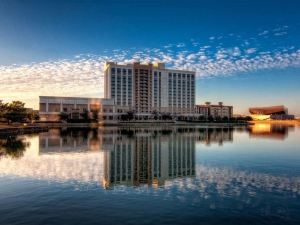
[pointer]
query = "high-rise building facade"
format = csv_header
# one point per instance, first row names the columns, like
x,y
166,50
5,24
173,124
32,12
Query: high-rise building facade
x,y
148,88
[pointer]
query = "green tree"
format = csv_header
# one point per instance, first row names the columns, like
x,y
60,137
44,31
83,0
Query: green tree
x,y
210,118
63,116
155,114
16,112
130,115
85,115
225,119
201,118
166,116
3,109
32,115
248,118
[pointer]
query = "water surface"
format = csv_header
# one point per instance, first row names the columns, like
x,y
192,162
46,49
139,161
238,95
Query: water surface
x,y
154,175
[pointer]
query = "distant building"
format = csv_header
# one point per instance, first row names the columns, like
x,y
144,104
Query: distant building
x,y
270,113
215,111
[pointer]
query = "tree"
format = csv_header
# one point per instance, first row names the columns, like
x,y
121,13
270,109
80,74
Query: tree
x,y
130,115
85,115
166,116
16,112
63,116
32,115
155,114
210,118
225,119
248,118
201,118
218,118
3,109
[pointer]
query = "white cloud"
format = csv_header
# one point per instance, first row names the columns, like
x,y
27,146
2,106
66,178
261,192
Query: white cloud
x,y
280,33
83,75
265,32
221,54
168,46
180,45
250,50
236,51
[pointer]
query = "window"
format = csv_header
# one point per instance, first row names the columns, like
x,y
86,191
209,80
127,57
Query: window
x,y
118,71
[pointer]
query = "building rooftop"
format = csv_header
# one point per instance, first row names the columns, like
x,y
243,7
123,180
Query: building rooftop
x,y
155,65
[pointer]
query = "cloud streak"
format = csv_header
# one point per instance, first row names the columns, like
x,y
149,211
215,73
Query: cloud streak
x,y
83,74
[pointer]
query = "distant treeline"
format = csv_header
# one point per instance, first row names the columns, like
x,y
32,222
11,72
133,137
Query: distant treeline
x,y
15,111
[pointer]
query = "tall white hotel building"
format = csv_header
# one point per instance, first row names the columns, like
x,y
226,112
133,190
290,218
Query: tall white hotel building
x,y
148,88
141,88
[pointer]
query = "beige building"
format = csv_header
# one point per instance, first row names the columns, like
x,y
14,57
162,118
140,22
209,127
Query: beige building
x,y
215,111
148,88
52,107
143,89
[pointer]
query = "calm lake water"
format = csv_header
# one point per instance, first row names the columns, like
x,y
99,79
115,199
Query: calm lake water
x,y
157,175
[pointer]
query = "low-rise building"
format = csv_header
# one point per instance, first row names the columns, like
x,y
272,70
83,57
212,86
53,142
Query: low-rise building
x,y
202,110
216,111
52,108
270,113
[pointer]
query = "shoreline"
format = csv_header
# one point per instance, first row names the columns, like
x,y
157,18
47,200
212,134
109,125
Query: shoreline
x,y
6,129
122,124
277,122
21,130
41,127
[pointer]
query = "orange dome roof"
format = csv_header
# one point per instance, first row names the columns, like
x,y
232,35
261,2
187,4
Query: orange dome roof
x,y
267,110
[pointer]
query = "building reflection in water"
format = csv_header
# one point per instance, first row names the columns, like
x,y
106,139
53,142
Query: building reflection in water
x,y
145,156
149,158
113,156
267,130
69,140
136,156
211,135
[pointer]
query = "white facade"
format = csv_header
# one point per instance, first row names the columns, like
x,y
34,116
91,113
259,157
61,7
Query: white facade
x,y
51,107
150,87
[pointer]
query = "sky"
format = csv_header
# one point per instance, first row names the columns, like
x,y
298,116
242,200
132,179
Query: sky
x,y
245,53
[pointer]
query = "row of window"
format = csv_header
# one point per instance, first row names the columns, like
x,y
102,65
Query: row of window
x,y
118,71
183,76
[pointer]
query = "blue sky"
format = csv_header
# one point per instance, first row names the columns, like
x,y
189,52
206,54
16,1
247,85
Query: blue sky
x,y
246,53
